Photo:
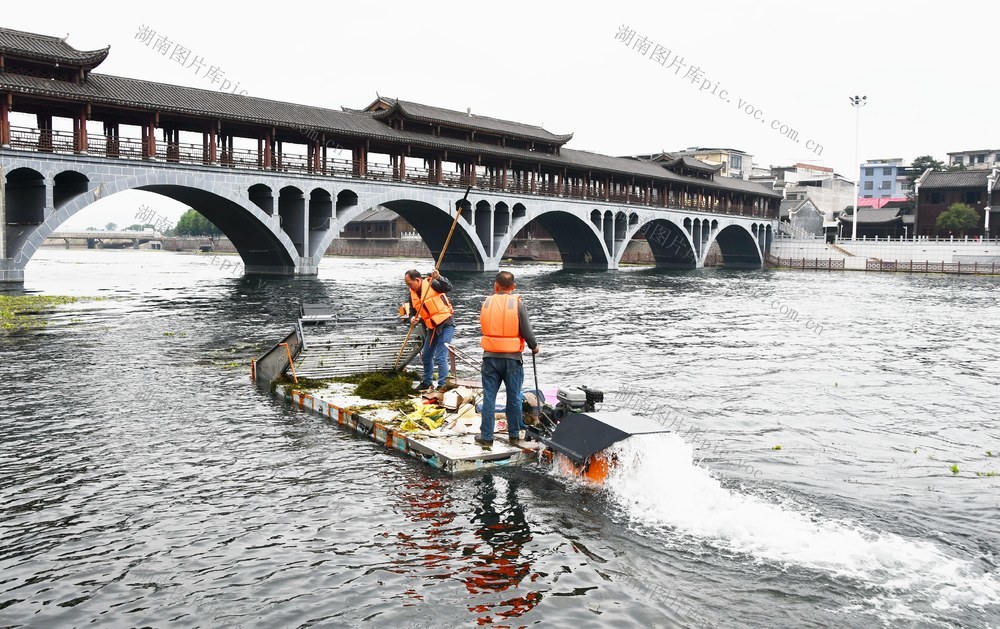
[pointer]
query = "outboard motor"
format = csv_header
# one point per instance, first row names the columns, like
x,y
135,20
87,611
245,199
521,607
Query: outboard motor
x,y
575,429
580,399
570,400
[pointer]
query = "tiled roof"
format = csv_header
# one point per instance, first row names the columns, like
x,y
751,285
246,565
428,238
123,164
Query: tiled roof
x,y
452,118
973,151
702,150
956,179
662,156
872,215
43,47
655,170
668,160
115,90
212,104
696,164
376,215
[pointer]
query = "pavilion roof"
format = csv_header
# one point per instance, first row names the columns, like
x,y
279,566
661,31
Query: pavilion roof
x,y
687,161
463,120
49,49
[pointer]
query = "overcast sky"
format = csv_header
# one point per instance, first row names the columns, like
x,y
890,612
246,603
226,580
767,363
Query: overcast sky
x,y
924,66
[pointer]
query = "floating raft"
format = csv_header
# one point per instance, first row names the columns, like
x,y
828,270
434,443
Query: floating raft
x,y
338,347
449,448
323,347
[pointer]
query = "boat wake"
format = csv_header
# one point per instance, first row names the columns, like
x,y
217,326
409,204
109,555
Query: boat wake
x,y
656,484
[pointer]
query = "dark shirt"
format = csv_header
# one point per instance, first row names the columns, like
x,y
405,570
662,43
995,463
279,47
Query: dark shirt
x,y
441,285
523,330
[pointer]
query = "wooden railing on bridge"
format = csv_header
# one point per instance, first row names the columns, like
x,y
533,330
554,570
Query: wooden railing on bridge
x,y
49,141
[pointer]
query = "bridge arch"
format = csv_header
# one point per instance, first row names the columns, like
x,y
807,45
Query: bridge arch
x,y
346,200
264,248
68,184
429,214
483,220
739,247
671,244
501,227
292,215
262,196
465,251
320,217
580,242
24,197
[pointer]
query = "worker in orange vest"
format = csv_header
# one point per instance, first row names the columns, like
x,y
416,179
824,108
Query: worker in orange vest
x,y
506,329
429,304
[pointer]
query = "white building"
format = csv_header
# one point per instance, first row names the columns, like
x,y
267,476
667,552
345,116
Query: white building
x,y
986,158
829,192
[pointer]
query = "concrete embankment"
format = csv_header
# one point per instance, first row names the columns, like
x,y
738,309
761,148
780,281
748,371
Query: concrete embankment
x,y
966,256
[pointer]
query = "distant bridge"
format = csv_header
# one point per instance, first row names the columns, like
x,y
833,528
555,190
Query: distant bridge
x,y
108,235
95,237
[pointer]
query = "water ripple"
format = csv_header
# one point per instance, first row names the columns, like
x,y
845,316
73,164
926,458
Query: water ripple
x,y
143,481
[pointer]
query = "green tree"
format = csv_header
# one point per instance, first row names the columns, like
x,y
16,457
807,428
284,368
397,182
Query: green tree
x,y
924,162
957,218
919,165
111,227
191,223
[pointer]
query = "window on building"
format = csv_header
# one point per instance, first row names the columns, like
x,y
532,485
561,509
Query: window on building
x,y
936,197
887,172
885,185
869,185
868,196
971,196
956,159
869,172
980,159
736,162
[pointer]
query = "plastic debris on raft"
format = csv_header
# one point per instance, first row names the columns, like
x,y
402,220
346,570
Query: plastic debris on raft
x,y
427,417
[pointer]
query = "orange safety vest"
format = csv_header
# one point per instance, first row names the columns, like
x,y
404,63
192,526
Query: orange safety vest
x,y
500,322
435,309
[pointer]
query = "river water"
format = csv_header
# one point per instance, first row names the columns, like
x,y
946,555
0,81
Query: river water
x,y
145,482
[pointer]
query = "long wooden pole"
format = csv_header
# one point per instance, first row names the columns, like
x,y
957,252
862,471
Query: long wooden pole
x,y
437,265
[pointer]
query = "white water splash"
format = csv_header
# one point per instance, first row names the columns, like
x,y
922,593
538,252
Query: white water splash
x,y
657,484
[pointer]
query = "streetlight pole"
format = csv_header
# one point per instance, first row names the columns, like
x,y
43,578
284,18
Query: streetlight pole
x,y
991,181
857,102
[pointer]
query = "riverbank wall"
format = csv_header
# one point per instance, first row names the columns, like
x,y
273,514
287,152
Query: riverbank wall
x,y
940,256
